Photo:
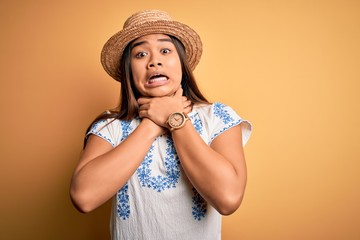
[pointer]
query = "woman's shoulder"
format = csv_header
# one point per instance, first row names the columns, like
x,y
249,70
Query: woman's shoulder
x,y
217,113
211,108
113,122
220,117
113,130
109,119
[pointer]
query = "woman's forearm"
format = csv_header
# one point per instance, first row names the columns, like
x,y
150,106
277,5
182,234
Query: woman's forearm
x,y
219,173
103,170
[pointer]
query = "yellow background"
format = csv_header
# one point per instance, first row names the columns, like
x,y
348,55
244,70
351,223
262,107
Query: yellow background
x,y
291,67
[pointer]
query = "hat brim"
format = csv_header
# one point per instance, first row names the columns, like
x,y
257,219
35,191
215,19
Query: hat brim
x,y
113,49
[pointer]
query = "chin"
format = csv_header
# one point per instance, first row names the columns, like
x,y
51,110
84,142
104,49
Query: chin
x,y
161,93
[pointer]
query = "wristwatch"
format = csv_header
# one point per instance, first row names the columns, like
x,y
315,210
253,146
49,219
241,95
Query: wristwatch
x,y
177,120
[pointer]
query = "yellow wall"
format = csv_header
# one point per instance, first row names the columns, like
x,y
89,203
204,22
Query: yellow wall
x,y
291,67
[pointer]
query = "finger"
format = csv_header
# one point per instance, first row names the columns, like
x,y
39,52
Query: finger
x,y
144,106
143,100
187,109
188,102
142,113
179,92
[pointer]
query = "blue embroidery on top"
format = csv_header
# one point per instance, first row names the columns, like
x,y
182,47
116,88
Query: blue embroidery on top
x,y
198,125
144,170
159,183
226,128
123,207
126,129
200,206
172,174
222,113
96,131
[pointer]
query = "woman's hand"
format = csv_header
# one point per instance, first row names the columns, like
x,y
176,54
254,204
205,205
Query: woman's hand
x,y
158,109
154,129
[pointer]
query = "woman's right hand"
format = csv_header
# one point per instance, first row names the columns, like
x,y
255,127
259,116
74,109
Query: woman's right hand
x,y
158,109
154,129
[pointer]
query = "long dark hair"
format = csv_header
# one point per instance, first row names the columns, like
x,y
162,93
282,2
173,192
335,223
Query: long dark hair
x,y
128,106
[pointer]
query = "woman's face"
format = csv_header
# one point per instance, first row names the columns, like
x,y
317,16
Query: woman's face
x,y
155,65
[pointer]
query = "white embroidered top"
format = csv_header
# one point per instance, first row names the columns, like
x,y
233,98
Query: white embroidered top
x,y
158,201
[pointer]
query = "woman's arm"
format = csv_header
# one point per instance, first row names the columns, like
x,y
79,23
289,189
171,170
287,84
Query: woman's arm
x,y
103,170
218,171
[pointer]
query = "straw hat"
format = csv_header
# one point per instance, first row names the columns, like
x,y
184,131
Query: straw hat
x,y
143,23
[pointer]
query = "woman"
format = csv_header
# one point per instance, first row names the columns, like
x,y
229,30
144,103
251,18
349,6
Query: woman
x,y
172,161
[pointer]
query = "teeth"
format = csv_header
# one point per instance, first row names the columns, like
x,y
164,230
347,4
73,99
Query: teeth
x,y
157,79
156,75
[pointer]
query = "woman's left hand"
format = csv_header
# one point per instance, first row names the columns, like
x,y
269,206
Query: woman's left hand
x,y
158,109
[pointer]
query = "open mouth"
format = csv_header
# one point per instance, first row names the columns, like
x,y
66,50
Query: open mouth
x,y
157,78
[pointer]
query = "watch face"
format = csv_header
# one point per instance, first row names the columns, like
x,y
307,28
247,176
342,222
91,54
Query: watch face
x,y
176,120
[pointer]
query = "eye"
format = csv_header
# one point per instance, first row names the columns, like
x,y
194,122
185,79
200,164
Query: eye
x,y
165,50
141,54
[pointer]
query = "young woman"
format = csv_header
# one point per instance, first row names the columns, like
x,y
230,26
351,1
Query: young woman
x,y
172,161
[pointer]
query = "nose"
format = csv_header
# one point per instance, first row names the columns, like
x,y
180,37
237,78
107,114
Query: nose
x,y
154,62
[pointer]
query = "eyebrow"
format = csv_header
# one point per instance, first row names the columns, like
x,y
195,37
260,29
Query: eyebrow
x,y
159,40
